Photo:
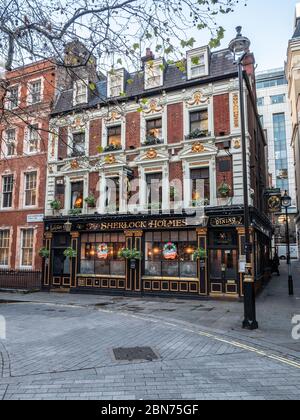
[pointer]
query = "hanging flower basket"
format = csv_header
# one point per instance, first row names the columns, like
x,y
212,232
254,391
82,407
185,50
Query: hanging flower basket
x,y
44,253
200,254
170,251
70,253
102,252
91,201
55,205
224,190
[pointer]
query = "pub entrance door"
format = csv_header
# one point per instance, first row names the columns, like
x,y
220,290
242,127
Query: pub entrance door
x,y
60,269
223,263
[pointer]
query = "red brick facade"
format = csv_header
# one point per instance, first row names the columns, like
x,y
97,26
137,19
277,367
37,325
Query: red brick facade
x,y
221,115
16,218
133,128
224,174
95,137
62,143
175,123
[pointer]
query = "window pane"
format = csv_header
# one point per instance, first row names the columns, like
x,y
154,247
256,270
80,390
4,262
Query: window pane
x,y
77,195
27,248
30,189
4,247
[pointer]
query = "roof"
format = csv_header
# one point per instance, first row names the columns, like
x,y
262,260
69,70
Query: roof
x,y
221,65
270,74
297,29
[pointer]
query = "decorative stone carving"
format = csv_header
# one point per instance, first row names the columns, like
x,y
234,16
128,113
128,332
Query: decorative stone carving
x,y
237,143
198,98
113,116
153,107
198,148
110,160
74,165
152,154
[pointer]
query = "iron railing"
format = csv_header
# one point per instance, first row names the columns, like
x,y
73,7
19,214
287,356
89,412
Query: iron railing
x,y
23,279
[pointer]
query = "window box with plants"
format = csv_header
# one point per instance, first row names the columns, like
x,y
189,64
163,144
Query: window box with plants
x,y
75,212
198,134
152,141
112,148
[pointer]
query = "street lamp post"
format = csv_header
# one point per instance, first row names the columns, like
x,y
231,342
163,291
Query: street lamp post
x,y
239,46
286,202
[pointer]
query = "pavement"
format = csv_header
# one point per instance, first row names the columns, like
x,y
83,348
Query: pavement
x,y
60,346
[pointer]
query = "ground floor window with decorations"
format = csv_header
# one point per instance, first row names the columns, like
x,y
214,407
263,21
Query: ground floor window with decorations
x,y
170,254
100,254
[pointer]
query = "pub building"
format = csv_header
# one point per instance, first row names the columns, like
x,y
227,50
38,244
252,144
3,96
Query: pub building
x,y
107,229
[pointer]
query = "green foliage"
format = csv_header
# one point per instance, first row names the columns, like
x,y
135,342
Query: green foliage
x,y
112,148
44,253
75,212
70,253
55,205
130,254
200,254
197,134
91,201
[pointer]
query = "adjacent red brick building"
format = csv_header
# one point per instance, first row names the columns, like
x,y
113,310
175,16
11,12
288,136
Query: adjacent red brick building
x,y
26,103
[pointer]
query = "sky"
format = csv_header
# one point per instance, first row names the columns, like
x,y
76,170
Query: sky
x,y
268,24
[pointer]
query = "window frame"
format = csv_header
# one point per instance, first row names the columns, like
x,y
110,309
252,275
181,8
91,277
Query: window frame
x,y
197,53
83,85
8,248
26,174
72,152
29,139
9,104
13,141
4,193
22,248
31,94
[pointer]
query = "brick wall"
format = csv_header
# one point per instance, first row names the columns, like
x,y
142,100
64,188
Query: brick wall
x,y
133,128
175,123
94,187
221,115
62,143
176,171
95,136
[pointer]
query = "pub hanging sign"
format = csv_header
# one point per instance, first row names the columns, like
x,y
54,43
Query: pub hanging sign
x,y
273,200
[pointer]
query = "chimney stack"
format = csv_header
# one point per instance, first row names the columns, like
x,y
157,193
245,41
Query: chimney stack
x,y
148,57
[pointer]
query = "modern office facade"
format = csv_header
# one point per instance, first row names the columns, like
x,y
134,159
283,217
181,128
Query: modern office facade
x,y
274,110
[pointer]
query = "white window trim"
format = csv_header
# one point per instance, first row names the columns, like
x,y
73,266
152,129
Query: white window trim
x,y
190,109
4,149
2,194
143,172
204,162
7,100
29,95
195,53
106,126
85,83
164,116
27,142
156,63
70,140
9,229
20,235
23,195
70,180
120,72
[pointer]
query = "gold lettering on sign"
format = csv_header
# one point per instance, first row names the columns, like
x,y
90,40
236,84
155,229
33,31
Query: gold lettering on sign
x,y
236,111
226,221
140,224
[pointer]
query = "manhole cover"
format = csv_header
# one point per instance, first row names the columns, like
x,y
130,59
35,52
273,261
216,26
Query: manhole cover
x,y
135,353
